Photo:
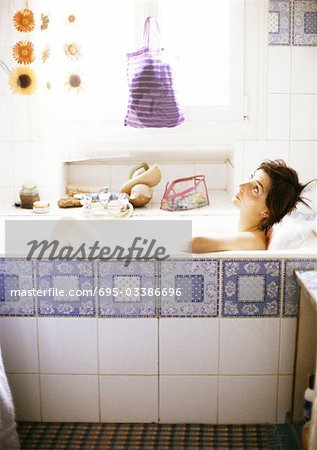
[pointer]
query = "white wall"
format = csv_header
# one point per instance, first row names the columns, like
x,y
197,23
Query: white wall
x,y
291,114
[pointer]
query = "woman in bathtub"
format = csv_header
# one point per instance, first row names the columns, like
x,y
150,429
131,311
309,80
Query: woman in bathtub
x,y
272,192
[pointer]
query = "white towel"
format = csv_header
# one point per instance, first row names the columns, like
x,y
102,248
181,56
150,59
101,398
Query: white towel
x,y
8,435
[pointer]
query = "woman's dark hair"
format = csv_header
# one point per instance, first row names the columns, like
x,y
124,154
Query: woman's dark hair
x,y
284,192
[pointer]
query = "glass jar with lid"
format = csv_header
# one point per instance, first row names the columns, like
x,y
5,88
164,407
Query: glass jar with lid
x,y
28,195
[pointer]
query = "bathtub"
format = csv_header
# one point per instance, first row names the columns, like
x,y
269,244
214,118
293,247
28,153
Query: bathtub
x,y
223,352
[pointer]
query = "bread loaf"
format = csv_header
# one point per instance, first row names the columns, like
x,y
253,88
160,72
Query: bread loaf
x,y
69,202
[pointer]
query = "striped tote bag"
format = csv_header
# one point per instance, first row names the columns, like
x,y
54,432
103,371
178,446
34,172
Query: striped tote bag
x,y
152,95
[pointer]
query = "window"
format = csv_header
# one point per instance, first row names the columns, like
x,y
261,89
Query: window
x,y
200,37
211,38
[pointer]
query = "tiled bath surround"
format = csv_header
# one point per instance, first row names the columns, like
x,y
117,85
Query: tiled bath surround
x,y
225,357
222,354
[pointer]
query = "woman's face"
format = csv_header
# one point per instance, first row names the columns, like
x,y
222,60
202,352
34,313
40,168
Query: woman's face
x,y
251,195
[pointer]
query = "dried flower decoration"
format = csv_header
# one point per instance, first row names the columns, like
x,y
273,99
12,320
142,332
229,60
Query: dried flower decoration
x,y
46,53
71,18
22,81
23,20
23,52
45,21
74,82
72,51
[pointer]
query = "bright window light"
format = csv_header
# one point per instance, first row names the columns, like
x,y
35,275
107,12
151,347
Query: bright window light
x,y
197,31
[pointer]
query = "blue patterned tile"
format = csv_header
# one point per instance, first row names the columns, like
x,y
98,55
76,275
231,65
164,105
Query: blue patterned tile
x,y
251,288
16,274
305,22
197,284
66,287
127,291
310,22
279,22
291,288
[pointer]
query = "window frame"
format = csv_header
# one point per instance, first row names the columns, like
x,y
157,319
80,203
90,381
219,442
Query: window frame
x,y
204,127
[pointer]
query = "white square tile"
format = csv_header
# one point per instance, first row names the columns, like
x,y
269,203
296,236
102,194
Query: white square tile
x,y
278,118
237,161
18,341
91,175
25,390
61,180
50,149
43,173
128,346
2,239
69,398
6,164
230,180
6,128
188,346
304,70
7,195
303,117
129,398
67,345
247,399
303,159
119,174
22,109
52,174
25,172
188,399
6,150
257,151
51,193
287,345
171,172
215,173
249,346
157,196
27,148
279,69
285,386
5,19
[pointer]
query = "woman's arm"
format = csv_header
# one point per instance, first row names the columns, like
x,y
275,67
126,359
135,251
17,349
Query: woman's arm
x,y
244,240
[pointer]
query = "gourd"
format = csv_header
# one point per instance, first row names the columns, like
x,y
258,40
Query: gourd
x,y
140,195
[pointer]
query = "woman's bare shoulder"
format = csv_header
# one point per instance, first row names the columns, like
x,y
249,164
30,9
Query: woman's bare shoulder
x,y
255,239
242,240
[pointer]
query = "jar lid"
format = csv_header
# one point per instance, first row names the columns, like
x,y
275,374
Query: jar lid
x,y
41,204
28,186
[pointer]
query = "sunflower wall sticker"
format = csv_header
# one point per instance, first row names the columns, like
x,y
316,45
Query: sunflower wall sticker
x,y
71,18
46,53
45,21
23,52
22,80
23,20
74,83
72,51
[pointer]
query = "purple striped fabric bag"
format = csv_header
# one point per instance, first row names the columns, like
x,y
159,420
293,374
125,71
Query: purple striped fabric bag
x,y
152,96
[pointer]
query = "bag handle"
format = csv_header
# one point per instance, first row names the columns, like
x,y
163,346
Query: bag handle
x,y
151,23
195,178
